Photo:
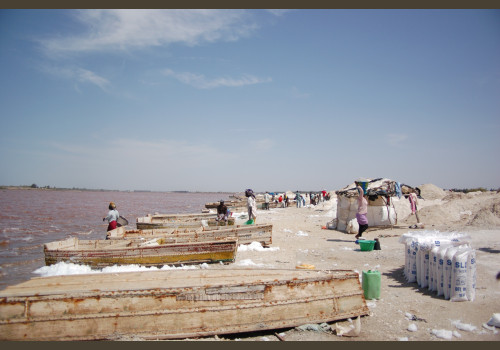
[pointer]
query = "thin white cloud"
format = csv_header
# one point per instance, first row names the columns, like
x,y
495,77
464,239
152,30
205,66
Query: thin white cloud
x,y
113,29
154,152
298,94
199,81
79,74
86,76
278,12
263,144
396,139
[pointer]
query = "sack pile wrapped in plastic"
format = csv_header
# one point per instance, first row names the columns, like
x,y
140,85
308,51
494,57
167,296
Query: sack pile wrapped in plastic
x,y
443,262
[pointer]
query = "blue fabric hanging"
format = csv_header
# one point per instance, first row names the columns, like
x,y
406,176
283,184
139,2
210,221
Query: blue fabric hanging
x,y
398,190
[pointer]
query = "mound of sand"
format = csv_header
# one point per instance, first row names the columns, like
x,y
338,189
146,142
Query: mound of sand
x,y
489,215
430,191
457,210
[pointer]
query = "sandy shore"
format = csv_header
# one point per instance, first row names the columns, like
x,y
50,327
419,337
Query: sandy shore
x,y
299,235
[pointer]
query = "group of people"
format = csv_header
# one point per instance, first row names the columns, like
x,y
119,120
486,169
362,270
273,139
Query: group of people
x,y
223,212
319,197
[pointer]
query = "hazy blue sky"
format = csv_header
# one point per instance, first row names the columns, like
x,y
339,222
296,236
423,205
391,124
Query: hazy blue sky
x,y
223,100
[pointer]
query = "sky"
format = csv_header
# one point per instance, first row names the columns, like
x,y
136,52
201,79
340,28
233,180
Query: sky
x,y
273,100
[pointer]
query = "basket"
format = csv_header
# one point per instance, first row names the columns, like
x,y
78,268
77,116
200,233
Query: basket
x,y
121,221
366,245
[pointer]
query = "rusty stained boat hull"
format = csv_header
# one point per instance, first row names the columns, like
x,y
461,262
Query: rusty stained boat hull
x,y
245,234
102,253
176,304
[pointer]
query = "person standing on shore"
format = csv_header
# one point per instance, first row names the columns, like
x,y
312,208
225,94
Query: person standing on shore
x,y
251,205
362,211
112,217
298,199
266,200
413,206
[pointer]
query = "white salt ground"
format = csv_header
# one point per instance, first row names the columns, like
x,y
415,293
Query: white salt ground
x,y
412,327
256,247
443,333
463,326
490,328
494,321
63,268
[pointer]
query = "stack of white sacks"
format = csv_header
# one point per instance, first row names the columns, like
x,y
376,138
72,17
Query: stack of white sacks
x,y
443,262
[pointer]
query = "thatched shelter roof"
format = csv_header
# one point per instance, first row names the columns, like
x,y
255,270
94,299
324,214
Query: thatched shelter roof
x,y
377,187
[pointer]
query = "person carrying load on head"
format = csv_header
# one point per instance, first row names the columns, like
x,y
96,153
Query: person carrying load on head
x,y
251,205
222,212
112,217
362,211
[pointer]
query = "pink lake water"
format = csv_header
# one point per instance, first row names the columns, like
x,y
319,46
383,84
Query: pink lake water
x,y
31,218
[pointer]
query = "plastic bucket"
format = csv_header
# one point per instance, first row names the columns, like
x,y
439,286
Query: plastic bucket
x,y
371,284
366,245
363,185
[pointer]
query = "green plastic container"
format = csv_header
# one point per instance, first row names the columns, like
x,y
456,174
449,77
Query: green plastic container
x,y
371,284
366,245
249,222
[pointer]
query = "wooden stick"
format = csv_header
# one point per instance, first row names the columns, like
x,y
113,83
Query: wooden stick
x,y
279,337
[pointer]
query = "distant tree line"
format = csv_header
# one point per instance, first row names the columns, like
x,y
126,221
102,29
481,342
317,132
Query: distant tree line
x,y
467,190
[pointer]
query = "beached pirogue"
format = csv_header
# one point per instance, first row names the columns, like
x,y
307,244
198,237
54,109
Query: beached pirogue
x,y
101,253
245,234
179,221
176,303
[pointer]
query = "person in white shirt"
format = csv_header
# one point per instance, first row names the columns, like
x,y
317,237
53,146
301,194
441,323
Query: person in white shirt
x,y
251,205
267,197
112,217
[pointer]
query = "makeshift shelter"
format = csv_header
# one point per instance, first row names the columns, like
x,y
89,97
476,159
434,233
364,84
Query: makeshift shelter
x,y
382,211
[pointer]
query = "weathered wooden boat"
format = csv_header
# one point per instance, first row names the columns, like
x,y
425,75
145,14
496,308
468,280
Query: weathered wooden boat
x,y
178,221
229,204
174,225
213,222
100,253
245,234
242,205
173,304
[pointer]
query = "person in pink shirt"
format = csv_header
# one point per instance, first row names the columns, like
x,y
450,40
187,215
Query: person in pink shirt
x,y
362,211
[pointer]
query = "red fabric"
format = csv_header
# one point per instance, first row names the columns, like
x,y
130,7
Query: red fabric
x,y
112,225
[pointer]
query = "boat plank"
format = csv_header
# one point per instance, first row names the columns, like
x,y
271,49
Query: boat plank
x,y
176,304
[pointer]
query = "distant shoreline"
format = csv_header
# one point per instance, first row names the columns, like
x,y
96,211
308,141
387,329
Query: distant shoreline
x,y
96,190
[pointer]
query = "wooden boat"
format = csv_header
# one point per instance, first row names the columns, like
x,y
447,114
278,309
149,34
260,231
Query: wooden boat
x,y
173,304
229,204
100,253
245,234
178,221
